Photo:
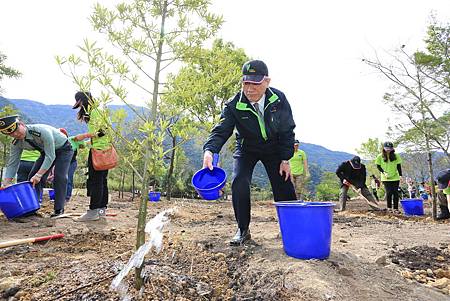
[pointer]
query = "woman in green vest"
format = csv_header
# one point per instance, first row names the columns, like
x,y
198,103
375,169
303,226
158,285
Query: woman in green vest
x,y
97,182
389,164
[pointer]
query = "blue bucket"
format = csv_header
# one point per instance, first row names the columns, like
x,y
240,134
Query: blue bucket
x,y
51,194
154,196
306,228
412,206
208,183
18,199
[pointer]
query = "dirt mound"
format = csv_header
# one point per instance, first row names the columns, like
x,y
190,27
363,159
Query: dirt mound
x,y
422,258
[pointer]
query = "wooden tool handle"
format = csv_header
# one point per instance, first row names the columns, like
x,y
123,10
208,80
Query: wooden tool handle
x,y
29,240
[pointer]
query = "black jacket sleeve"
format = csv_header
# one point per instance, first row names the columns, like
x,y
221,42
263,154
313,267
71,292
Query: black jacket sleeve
x,y
399,168
286,132
221,132
340,172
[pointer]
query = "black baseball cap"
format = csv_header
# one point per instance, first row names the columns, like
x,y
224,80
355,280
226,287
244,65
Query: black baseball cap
x,y
296,141
356,162
388,145
443,178
82,99
254,71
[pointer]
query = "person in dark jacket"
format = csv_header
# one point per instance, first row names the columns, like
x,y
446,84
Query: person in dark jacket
x,y
443,181
264,127
353,173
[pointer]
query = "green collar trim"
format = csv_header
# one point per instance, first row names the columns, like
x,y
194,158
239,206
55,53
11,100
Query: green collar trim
x,y
242,106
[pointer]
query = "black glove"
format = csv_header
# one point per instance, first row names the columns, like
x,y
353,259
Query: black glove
x,y
100,133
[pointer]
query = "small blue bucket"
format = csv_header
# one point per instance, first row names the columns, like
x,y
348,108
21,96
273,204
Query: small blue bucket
x,y
154,196
306,228
412,206
208,183
51,194
18,199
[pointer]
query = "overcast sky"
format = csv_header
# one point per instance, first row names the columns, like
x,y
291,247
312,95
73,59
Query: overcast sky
x,y
313,50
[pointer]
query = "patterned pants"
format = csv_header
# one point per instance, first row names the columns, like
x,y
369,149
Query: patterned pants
x,y
300,186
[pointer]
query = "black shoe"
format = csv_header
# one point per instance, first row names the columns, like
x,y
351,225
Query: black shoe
x,y
240,237
445,214
57,213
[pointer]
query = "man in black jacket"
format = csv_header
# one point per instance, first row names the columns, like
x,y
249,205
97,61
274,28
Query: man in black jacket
x,y
264,127
443,181
353,173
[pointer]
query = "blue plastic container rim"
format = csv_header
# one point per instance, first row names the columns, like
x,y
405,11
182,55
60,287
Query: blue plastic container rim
x,y
215,162
211,188
303,204
411,200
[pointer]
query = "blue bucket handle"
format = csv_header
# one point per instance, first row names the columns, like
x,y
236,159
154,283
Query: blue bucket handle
x,y
215,160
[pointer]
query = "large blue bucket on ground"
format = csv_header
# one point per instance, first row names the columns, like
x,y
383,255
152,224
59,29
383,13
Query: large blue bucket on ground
x,y
306,228
18,199
412,206
154,196
208,183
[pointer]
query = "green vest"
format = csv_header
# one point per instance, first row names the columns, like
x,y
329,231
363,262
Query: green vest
x,y
30,155
75,144
390,167
94,125
297,162
446,191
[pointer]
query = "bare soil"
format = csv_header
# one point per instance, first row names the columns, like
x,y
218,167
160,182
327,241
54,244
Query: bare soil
x,y
374,256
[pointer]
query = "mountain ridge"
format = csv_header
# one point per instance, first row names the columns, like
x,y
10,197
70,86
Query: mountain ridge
x,y
59,115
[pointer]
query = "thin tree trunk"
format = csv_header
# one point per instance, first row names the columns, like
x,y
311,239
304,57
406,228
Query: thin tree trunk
x,y
427,145
433,187
158,64
153,116
123,182
170,173
140,235
133,188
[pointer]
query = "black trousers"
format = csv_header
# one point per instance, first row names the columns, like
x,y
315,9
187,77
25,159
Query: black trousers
x,y
24,170
391,188
62,161
97,186
243,166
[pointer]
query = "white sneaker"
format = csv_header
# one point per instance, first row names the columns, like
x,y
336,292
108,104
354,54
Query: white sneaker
x,y
90,215
102,212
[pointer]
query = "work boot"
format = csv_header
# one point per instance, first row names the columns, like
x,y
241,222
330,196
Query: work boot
x,y
445,214
240,237
90,215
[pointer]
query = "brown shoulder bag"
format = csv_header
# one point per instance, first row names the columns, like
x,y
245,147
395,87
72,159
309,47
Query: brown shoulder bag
x,y
104,159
